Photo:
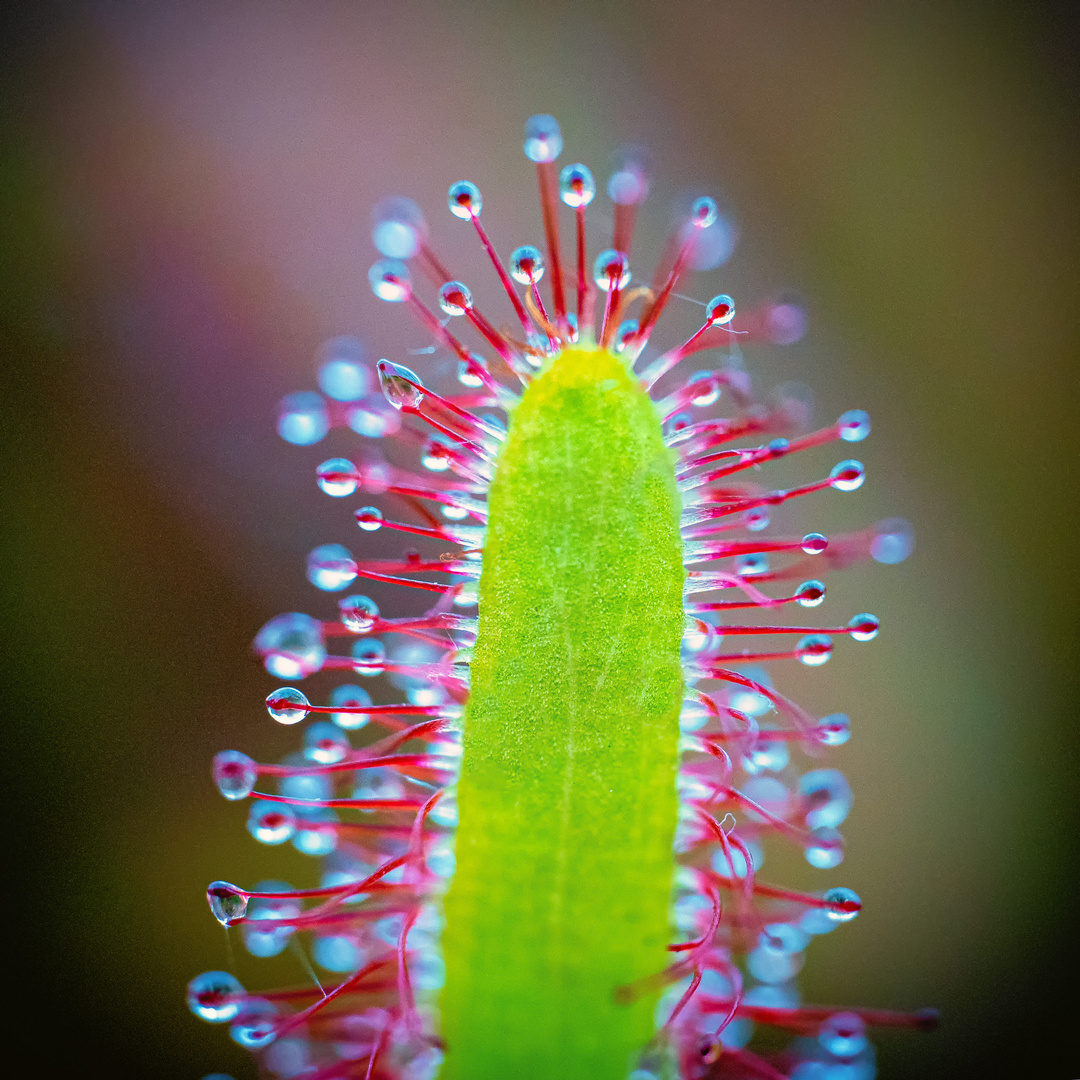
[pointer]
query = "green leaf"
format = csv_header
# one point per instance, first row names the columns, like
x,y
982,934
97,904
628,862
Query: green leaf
x,y
567,793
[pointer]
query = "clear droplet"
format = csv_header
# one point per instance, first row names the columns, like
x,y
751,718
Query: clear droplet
x,y
751,565
256,1025
773,961
864,627
756,520
827,796
330,567
708,392
398,228
826,850
814,543
370,657
786,323
369,518
469,371
893,543
543,139
437,454
843,1035
628,330
611,270
768,755
358,613
343,375
703,213
814,649
847,476
465,200
577,186
679,422
262,942
349,695
810,593
390,280
215,996
854,426
526,265
401,385
270,823
287,705
337,477
720,310
833,730
228,904
316,830
291,645
235,774
373,418
628,184
326,744
302,418
455,298
844,904
338,953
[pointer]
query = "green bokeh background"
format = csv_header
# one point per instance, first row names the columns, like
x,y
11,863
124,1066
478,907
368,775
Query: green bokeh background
x,y
185,197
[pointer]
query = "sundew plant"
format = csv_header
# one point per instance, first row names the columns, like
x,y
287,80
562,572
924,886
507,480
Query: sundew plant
x,y
544,861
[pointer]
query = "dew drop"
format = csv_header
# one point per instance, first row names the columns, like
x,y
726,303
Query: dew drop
x,y
228,904
526,265
262,942
893,543
827,797
814,649
768,755
291,645
337,477
390,280
864,627
330,567
325,743
455,299
343,375
270,823
373,418
708,393
369,518
577,186
628,185
844,904
833,730
720,310
302,418
350,695
255,1026
543,139
287,705
703,213
469,371
854,426
751,565
369,656
756,520
400,385
611,270
843,1035
810,593
215,996
814,543
465,200
338,953
826,850
316,831
358,613
397,228
847,476
235,774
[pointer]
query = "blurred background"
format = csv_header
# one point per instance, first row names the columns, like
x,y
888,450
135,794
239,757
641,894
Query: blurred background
x,y
186,217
